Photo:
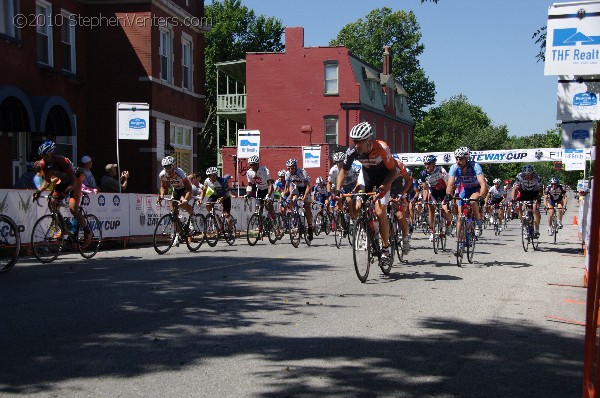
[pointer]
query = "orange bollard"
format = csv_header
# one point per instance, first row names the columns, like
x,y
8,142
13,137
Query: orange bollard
x,y
574,220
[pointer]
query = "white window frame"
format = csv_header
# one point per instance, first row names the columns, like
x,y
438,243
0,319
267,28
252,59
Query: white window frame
x,y
8,11
186,41
44,21
167,34
179,143
327,77
328,120
66,19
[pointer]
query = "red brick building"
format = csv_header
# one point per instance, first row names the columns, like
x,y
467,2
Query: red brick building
x,y
66,63
310,96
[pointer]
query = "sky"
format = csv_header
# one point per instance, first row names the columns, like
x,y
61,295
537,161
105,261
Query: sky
x,y
479,48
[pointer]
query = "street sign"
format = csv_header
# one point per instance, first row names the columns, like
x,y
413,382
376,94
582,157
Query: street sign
x,y
248,143
574,159
311,157
133,121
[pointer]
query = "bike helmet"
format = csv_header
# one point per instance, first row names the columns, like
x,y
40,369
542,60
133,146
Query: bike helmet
x,y
527,169
497,181
429,159
47,147
291,163
339,157
507,182
211,170
254,159
320,180
554,180
361,131
281,173
168,161
462,152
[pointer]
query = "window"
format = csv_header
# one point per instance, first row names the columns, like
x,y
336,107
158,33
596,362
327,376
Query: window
x,y
186,61
67,42
8,11
43,11
331,129
181,140
331,77
166,55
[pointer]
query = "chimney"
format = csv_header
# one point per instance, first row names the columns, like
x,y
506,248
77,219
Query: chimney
x,y
294,38
387,61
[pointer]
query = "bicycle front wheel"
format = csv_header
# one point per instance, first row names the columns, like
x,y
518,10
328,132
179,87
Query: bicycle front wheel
x,y
327,222
338,229
95,228
253,232
295,226
525,236
47,238
164,234
10,243
436,233
196,235
460,241
271,229
280,231
318,223
471,245
361,249
212,230
229,228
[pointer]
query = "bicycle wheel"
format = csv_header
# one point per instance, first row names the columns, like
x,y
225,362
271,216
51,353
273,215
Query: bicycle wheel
x,y
96,229
328,222
386,266
304,230
471,244
271,229
195,237
280,226
361,249
164,234
525,236
47,238
460,242
399,239
229,229
295,225
436,233
338,229
10,243
535,242
253,232
554,227
318,223
212,230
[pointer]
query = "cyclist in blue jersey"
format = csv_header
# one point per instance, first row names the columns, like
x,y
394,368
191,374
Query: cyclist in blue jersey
x,y
471,183
219,189
279,184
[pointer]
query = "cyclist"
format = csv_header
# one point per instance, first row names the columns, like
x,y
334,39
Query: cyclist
x,y
279,184
348,184
320,193
259,179
497,196
217,190
469,176
400,187
174,177
297,183
378,172
414,198
555,196
433,183
528,186
58,170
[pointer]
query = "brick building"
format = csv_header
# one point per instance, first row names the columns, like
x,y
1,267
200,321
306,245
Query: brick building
x,y
66,63
309,96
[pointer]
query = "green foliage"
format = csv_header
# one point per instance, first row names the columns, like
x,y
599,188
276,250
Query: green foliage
x,y
401,31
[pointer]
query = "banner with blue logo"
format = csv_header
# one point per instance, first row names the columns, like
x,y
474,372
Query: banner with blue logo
x,y
577,135
577,99
248,143
311,157
573,39
133,121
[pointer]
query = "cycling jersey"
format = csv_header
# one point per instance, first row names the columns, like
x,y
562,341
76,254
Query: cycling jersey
x,y
555,194
299,178
436,180
58,167
349,181
260,177
528,185
468,179
176,180
375,164
497,193
403,174
220,187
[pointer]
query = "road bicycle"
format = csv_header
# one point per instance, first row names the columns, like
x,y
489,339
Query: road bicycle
x,y
51,231
528,236
395,205
554,226
422,219
173,228
439,229
259,225
219,226
465,232
342,228
366,247
323,219
297,223
495,219
10,243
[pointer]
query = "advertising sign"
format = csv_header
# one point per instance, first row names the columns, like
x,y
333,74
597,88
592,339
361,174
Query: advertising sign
x,y
577,99
577,135
248,143
573,39
311,156
133,121
574,159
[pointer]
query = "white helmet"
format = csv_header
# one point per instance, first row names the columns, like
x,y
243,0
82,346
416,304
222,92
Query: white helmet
x,y
462,152
281,173
254,159
291,163
361,131
211,170
320,180
168,161
339,157
497,181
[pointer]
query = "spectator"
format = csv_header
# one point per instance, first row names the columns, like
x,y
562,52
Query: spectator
x,y
86,167
196,185
26,180
110,183
38,178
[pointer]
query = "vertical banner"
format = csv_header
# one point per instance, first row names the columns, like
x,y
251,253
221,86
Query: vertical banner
x,y
248,143
577,135
133,121
311,157
574,159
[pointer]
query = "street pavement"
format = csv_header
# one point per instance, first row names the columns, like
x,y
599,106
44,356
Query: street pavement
x,y
275,321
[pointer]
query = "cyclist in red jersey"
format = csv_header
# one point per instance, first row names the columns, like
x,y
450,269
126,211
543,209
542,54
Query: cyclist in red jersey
x,y
378,170
59,170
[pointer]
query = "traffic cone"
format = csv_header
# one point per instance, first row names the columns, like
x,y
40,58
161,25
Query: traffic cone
x,y
574,220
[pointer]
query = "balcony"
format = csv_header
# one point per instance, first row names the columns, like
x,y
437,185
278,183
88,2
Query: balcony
x,y
231,103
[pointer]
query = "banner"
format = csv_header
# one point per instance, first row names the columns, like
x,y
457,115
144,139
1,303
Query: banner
x,y
573,39
311,156
133,121
577,135
574,159
577,99
248,143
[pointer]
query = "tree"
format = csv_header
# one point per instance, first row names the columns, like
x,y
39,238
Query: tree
x,y
400,30
236,31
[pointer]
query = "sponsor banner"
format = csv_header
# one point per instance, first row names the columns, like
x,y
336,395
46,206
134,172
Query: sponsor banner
x,y
500,156
133,121
574,159
577,99
311,157
577,135
573,39
248,143
112,209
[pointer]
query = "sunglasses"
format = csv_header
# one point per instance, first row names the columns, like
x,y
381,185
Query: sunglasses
x,y
168,167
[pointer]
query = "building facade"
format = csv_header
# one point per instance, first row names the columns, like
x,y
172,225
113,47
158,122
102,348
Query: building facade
x,y
66,64
311,96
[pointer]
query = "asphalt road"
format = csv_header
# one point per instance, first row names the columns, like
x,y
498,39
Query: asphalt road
x,y
274,321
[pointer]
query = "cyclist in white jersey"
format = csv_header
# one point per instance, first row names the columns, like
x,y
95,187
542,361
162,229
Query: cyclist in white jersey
x,y
176,178
497,196
301,180
259,179
528,186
